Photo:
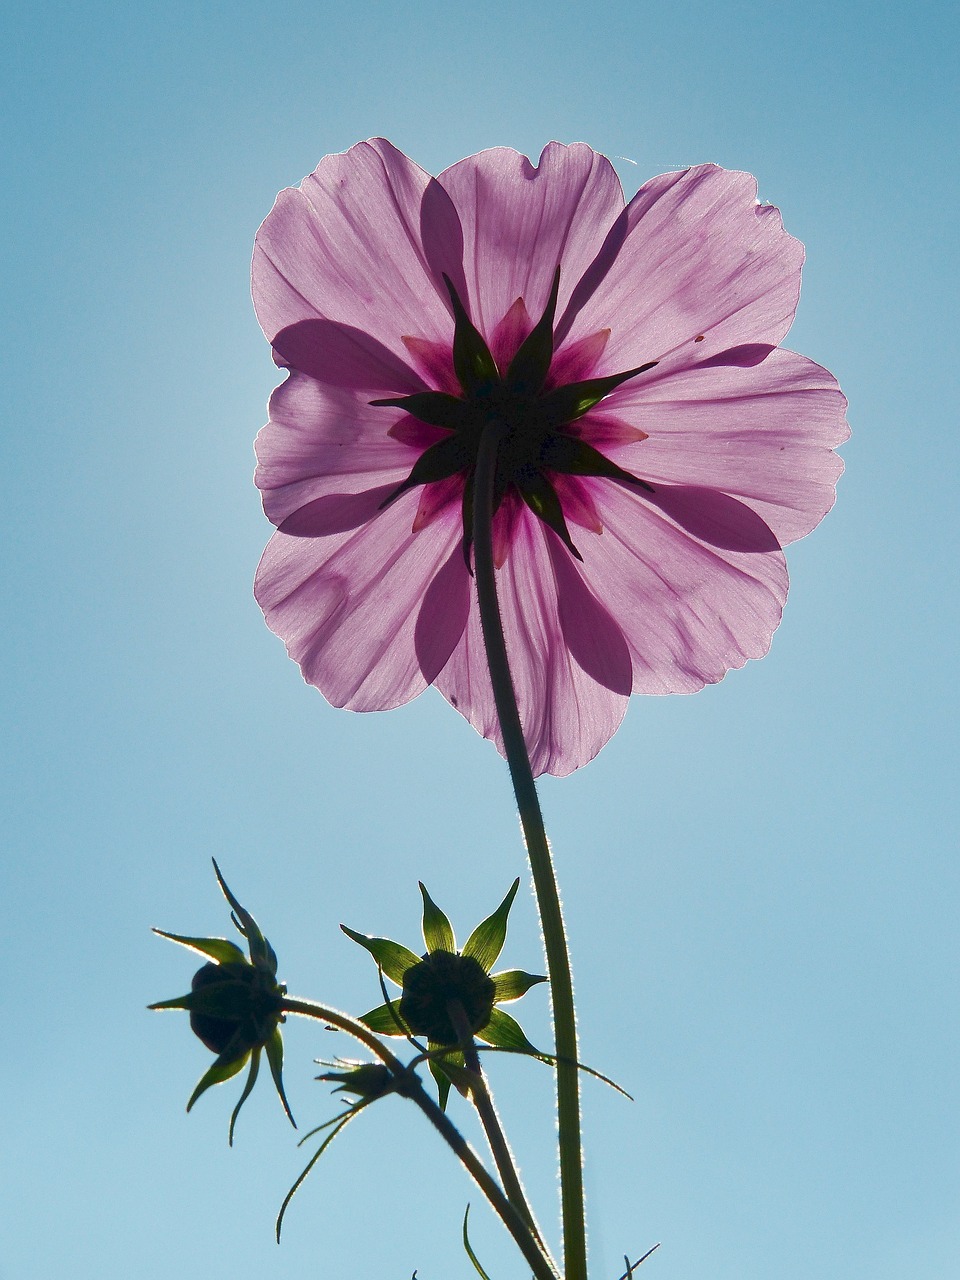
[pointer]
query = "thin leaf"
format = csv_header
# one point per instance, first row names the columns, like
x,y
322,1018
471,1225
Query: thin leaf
x,y
550,1060
632,1266
217,1074
219,949
511,984
486,941
437,929
392,958
247,1090
470,1254
274,1048
385,1020
310,1163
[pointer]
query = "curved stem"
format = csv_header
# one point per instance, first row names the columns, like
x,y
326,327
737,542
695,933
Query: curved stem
x,y
412,1088
541,865
482,1099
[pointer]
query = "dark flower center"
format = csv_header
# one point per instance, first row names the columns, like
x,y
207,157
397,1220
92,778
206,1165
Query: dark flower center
x,y
533,422
438,981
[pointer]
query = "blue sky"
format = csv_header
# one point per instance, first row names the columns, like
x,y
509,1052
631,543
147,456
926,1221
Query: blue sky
x,y
761,880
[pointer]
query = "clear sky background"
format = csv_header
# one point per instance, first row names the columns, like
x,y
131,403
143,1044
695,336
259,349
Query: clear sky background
x,y
761,881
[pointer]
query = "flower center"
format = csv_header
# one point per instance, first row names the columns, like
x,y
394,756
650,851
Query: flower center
x,y
535,442
439,979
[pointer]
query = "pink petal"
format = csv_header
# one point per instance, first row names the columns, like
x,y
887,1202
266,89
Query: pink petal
x,y
324,440
509,333
520,222
690,612
346,606
364,241
764,434
699,259
567,716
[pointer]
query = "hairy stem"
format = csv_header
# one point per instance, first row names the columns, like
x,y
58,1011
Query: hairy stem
x,y
482,1099
541,864
410,1086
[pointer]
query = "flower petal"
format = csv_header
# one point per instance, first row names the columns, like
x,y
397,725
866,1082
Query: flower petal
x,y
690,612
701,267
520,222
567,716
346,606
364,240
764,434
322,440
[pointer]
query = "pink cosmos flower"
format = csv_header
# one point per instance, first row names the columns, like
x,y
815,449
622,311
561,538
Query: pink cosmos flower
x,y
662,448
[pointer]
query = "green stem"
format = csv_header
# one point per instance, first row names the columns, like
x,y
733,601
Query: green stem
x,y
482,1099
541,865
410,1086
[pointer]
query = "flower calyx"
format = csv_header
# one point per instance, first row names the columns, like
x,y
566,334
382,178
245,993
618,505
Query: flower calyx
x,y
235,1005
447,992
531,420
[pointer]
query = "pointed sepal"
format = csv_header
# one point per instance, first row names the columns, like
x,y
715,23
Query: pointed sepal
x,y
437,930
392,958
486,941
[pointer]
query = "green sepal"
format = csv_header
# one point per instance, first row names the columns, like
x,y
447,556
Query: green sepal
x,y
438,462
574,457
511,984
437,929
473,364
247,1090
219,949
437,408
216,1074
486,941
505,1032
542,499
261,951
447,1068
566,404
274,1048
385,1020
392,958
530,366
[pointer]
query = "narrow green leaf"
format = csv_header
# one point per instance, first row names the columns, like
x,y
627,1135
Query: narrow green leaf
x,y
274,1048
385,1020
506,1033
345,1120
486,941
217,1074
470,1254
392,958
219,949
437,929
247,1090
511,984
442,1081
